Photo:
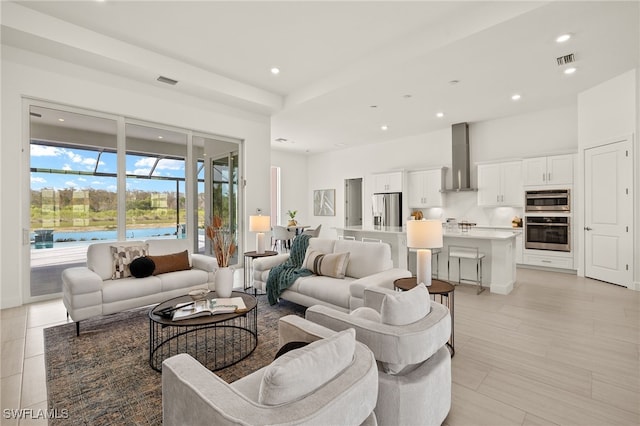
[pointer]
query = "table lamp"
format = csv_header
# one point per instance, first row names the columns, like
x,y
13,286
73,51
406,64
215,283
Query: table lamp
x,y
259,224
424,235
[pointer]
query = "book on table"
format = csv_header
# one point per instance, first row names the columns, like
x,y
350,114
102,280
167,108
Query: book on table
x,y
209,307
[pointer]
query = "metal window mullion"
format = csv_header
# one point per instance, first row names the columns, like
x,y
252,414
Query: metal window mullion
x,y
121,148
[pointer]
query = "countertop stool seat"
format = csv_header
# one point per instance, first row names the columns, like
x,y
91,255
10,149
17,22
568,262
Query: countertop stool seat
x,y
460,253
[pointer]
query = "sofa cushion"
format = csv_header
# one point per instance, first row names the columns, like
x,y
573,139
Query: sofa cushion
x,y
129,288
162,246
405,307
365,258
330,290
324,245
182,279
332,265
122,255
366,313
170,262
300,372
142,267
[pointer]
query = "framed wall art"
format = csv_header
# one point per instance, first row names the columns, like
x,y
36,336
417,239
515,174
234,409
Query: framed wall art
x,y
324,202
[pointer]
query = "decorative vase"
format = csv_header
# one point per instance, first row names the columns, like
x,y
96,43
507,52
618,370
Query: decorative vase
x,y
292,222
224,282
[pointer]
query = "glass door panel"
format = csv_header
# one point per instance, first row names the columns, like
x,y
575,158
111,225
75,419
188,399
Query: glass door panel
x,y
155,183
73,192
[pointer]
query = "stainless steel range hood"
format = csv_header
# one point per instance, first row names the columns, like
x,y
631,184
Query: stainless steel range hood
x,y
461,166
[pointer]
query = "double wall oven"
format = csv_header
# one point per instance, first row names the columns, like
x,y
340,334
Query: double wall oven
x,y
548,220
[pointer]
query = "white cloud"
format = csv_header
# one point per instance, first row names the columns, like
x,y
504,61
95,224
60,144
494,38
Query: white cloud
x,y
46,151
71,184
145,162
80,179
167,164
66,167
38,180
112,188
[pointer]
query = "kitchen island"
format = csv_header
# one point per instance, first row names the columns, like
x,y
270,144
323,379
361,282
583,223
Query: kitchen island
x,y
499,264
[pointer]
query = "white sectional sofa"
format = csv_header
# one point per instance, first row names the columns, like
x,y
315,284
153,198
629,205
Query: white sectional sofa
x,y
90,291
369,265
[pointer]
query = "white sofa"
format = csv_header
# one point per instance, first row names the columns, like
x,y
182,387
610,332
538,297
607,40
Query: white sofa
x,y
90,291
369,265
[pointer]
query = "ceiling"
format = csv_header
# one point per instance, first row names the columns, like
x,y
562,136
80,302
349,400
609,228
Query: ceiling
x,y
347,68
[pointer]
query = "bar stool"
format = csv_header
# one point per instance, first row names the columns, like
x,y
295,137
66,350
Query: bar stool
x,y
466,253
346,237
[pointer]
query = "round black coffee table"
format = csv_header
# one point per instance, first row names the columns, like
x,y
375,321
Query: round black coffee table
x,y
216,341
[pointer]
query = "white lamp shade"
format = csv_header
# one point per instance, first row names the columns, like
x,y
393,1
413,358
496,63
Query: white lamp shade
x,y
423,234
259,223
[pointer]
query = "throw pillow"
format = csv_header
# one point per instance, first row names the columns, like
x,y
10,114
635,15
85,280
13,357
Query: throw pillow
x,y
289,346
300,372
171,262
406,307
366,313
122,256
142,267
332,265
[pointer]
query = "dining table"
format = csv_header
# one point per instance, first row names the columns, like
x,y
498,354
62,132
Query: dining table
x,y
297,228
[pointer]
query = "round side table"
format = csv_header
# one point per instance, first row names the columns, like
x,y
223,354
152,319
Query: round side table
x,y
437,288
248,267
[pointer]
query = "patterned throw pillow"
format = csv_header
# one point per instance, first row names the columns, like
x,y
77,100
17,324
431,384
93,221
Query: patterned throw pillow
x,y
331,265
122,256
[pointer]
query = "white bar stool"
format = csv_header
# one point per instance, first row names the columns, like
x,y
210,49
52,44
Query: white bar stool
x,y
460,253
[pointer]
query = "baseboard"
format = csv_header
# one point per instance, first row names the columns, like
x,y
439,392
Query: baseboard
x,y
545,268
634,286
502,289
10,302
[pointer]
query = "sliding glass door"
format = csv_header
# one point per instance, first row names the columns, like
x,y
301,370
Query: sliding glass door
x,y
91,182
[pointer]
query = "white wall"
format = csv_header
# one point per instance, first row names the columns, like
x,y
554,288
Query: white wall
x,y
607,111
37,76
528,135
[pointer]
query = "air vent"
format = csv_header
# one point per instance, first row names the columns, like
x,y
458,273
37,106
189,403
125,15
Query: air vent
x,y
35,114
281,140
566,59
167,80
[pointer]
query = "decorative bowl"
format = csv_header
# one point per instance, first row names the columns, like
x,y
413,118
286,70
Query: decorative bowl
x,y
198,294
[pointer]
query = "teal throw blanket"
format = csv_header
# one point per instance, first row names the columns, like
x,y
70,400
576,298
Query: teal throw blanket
x,y
284,275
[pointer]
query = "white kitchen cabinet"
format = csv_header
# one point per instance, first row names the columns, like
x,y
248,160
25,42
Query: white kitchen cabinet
x,y
552,170
424,188
387,182
500,184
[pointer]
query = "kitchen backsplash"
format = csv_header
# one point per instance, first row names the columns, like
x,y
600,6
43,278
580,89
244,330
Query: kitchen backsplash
x,y
464,206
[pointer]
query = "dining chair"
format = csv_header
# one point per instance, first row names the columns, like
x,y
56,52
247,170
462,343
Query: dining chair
x,y
280,235
313,232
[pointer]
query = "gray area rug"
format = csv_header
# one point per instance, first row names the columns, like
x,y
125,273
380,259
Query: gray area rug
x,y
103,376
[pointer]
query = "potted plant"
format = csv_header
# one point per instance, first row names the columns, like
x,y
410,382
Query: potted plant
x,y
223,246
292,217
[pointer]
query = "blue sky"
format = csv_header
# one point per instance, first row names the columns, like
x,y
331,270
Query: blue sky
x,y
50,157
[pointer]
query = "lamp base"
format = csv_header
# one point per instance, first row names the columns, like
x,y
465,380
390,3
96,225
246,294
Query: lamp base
x,y
260,243
423,267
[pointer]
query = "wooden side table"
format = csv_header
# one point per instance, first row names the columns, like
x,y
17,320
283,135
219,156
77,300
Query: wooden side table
x,y
248,267
437,288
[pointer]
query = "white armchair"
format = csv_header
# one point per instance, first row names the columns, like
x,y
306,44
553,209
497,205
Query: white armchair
x,y
289,391
413,359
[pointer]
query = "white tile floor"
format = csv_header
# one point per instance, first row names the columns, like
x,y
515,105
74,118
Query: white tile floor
x,y
558,350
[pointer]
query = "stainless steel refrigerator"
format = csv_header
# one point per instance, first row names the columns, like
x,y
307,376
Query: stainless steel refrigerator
x,y
387,209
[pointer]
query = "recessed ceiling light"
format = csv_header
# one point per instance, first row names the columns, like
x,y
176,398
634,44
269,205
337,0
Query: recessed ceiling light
x,y
515,97
440,114
61,119
384,127
570,70
562,38
160,137
454,82
407,96
275,70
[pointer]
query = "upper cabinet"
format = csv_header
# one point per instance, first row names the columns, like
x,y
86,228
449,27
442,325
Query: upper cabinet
x,y
553,170
500,184
387,182
424,188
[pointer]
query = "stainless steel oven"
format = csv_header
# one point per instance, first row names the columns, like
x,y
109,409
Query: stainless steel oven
x,y
547,233
548,200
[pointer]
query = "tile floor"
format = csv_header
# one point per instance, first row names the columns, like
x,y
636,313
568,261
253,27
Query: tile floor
x,y
558,350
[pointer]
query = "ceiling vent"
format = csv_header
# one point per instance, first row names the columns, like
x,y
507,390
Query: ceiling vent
x,y
566,59
167,80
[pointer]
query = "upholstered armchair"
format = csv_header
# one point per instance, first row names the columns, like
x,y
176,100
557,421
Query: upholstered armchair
x,y
333,380
407,333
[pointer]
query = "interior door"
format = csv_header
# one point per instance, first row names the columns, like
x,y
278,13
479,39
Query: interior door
x,y
353,202
608,213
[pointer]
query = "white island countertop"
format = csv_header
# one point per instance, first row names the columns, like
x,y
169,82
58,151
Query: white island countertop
x,y
478,234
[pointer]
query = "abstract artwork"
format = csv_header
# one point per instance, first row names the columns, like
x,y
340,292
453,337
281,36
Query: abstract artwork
x,y
324,201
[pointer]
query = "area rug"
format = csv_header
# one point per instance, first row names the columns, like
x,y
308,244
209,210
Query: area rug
x,y
103,377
